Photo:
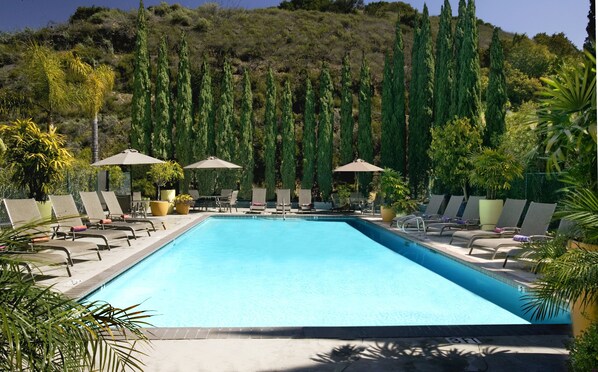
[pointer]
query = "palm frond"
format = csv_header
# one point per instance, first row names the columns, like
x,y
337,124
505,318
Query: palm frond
x,y
572,277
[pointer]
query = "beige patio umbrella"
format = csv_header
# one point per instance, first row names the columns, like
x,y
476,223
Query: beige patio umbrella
x,y
358,166
213,162
128,157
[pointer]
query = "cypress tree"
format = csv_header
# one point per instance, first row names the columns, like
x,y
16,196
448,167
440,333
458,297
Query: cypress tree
x,y
458,41
398,102
162,138
324,154
469,88
183,106
204,114
309,137
496,94
346,148
443,79
141,114
184,103
246,139
203,129
364,130
270,135
287,166
225,136
420,117
205,110
388,131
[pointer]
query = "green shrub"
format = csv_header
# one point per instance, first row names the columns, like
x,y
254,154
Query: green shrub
x,y
583,350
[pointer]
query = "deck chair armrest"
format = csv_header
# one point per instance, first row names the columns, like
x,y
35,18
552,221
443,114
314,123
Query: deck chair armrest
x,y
539,238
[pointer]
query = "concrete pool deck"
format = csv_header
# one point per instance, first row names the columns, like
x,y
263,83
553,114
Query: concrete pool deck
x,y
264,350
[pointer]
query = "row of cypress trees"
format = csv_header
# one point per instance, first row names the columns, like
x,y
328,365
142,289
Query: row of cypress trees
x,y
437,95
445,84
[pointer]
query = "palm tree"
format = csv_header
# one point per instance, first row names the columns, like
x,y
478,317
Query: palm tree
x,y
47,80
96,84
567,120
43,330
568,123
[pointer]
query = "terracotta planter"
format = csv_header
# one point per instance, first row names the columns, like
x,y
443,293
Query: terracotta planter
x,y
387,213
159,207
490,211
182,208
582,316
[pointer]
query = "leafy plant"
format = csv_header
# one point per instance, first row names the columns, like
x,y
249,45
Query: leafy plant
x,y
344,194
36,158
43,330
567,120
544,251
450,152
162,173
580,205
395,192
494,170
183,199
583,351
565,280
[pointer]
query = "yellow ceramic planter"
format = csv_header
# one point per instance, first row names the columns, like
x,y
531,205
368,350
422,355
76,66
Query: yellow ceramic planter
x,y
387,213
582,316
159,207
182,208
490,211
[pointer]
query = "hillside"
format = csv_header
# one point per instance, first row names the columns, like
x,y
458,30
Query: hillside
x,y
293,43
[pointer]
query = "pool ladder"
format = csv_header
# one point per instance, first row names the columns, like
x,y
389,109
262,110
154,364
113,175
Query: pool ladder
x,y
420,223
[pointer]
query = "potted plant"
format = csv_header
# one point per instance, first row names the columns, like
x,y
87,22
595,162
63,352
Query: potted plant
x,y
494,170
182,203
395,194
161,174
36,159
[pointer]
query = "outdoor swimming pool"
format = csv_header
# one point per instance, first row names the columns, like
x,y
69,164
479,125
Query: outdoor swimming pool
x,y
269,272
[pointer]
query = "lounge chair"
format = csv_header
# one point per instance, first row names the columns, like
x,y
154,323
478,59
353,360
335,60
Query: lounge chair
x,y
432,209
534,226
305,204
23,212
29,259
283,200
115,212
71,225
506,225
95,214
469,219
450,213
530,254
258,200
230,202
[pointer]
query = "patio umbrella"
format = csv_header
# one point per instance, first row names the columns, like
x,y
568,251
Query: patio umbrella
x,y
128,157
213,162
358,166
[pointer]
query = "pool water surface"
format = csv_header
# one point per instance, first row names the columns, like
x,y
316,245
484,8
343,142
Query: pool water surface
x,y
254,272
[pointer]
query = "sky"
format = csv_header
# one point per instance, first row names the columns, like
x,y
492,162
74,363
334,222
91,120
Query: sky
x,y
521,16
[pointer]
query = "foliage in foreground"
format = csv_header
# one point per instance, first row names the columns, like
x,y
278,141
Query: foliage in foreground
x,y
43,330
583,351
567,279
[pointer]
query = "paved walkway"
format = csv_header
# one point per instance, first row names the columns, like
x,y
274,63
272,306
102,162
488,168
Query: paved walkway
x,y
456,353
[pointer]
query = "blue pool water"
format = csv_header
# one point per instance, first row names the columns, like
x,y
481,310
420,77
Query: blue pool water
x,y
244,272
